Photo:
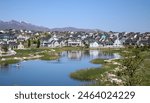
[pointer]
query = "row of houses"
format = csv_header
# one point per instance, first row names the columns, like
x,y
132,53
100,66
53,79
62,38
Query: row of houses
x,y
81,40
55,41
61,39
11,41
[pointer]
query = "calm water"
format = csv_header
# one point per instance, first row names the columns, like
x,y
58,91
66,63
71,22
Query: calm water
x,y
50,73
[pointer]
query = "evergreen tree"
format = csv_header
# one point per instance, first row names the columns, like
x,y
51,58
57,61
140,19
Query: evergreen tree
x,y
29,43
38,43
5,48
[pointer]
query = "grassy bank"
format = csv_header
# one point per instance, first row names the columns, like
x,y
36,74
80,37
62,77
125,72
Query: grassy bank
x,y
86,75
42,53
11,61
93,73
98,61
49,56
110,68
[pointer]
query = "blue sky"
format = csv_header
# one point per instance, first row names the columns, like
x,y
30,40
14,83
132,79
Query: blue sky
x,y
115,15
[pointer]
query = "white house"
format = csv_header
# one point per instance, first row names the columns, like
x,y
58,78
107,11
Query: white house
x,y
22,38
94,44
51,42
75,42
20,46
54,44
62,43
118,43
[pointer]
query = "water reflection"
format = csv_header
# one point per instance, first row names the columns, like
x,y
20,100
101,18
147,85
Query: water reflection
x,y
4,67
7,67
51,73
77,55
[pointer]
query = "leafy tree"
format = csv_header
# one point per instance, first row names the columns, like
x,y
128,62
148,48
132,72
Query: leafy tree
x,y
5,48
86,45
132,69
34,41
38,43
29,43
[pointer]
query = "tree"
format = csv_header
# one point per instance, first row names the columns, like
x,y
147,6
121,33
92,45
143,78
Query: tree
x,y
86,45
132,69
38,43
29,43
5,48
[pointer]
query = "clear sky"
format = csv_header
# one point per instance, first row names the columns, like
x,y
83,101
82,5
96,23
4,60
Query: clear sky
x,y
115,15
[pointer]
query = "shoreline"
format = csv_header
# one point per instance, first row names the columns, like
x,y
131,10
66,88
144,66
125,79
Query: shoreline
x,y
109,74
94,74
43,53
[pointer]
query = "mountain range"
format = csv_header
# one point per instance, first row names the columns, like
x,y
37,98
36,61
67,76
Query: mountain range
x,y
21,25
13,24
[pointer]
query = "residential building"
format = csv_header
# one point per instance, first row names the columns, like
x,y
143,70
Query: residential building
x,y
94,44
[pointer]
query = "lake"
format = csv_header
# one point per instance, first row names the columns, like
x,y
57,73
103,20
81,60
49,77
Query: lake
x,y
50,73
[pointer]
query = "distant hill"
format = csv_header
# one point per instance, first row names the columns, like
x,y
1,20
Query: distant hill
x,y
21,25
13,24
